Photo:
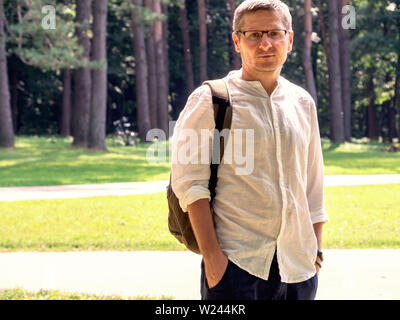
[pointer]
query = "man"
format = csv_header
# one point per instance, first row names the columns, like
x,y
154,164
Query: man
x,y
262,240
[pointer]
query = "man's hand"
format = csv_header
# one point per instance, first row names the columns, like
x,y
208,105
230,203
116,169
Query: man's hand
x,y
215,261
215,267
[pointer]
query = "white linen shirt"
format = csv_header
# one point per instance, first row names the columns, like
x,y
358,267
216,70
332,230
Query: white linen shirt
x,y
274,207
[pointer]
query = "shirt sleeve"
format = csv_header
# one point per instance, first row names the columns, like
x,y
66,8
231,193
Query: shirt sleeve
x,y
315,172
191,148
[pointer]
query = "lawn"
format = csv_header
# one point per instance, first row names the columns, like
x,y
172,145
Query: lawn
x,y
360,217
52,161
41,161
359,158
22,294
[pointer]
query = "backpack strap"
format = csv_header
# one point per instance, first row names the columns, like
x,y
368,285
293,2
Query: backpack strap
x,y
223,120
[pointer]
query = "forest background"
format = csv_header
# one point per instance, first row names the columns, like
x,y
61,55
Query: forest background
x,y
72,68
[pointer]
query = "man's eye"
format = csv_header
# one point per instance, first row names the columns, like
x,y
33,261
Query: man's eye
x,y
255,35
274,34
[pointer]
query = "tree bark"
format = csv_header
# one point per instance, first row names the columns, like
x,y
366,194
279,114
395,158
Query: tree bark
x,y
308,69
162,92
203,39
372,123
235,55
82,85
152,70
335,86
6,124
395,107
164,10
142,92
14,98
186,47
322,26
344,43
98,110
65,128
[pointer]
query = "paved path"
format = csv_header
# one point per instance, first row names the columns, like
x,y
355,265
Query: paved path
x,y
346,274
130,188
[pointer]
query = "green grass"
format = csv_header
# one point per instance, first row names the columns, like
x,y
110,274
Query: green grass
x,y
22,294
359,158
39,161
360,217
103,223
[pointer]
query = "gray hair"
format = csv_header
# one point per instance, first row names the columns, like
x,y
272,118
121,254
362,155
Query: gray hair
x,y
256,5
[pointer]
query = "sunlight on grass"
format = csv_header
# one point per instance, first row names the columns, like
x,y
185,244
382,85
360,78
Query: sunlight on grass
x,y
22,294
360,217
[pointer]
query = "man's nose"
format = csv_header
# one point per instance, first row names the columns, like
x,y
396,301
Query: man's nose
x,y
265,41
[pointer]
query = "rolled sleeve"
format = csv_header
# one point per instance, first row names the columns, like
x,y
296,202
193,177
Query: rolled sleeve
x,y
191,152
315,172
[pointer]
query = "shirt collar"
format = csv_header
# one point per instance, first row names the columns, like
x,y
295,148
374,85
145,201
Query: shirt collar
x,y
255,87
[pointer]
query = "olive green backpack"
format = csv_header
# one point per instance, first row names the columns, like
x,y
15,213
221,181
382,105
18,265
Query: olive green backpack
x,y
178,220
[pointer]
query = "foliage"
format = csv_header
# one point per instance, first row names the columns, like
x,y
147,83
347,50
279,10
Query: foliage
x,y
375,51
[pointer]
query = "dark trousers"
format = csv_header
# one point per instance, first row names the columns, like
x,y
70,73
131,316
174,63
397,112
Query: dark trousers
x,y
238,284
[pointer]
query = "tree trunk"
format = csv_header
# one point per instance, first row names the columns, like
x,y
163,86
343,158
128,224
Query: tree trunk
x,y
14,98
142,92
336,109
395,107
164,10
152,70
65,128
308,69
186,47
372,123
203,40
6,126
82,85
322,26
235,55
162,92
344,43
98,110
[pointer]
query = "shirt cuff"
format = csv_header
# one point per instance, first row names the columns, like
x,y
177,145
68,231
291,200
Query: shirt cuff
x,y
319,216
193,194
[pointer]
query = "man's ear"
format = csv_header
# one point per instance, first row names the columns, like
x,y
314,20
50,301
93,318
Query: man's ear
x,y
291,37
236,41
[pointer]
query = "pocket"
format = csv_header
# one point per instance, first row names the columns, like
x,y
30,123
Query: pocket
x,y
223,281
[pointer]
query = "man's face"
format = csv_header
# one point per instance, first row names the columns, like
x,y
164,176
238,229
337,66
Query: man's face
x,y
266,56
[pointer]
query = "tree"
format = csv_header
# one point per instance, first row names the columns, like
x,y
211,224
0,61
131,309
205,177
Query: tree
x,y
152,68
98,110
308,69
65,128
235,55
162,86
66,109
186,46
203,39
335,88
6,127
142,92
82,81
344,44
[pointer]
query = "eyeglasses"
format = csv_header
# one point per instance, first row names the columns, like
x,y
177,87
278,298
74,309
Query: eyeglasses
x,y
255,36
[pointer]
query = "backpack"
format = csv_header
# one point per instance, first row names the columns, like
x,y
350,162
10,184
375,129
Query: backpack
x,y
178,220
